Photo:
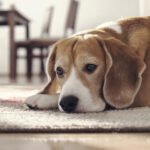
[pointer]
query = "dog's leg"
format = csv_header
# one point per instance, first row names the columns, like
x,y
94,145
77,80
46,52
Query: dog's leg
x,y
42,101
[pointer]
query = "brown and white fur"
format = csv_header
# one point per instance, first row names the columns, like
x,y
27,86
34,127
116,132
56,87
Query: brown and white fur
x,y
118,51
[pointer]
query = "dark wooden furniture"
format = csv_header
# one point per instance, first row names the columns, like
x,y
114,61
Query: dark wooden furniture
x,y
71,18
41,43
44,43
12,18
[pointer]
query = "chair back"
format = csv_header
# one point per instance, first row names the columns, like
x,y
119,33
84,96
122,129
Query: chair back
x,y
71,18
47,23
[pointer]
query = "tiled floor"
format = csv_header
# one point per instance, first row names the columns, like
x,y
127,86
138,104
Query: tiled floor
x,y
22,80
22,85
101,141
72,141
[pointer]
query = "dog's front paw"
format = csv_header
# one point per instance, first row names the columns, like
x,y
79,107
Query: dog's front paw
x,y
42,101
32,101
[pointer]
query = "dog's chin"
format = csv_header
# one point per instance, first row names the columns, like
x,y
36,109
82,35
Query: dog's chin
x,y
83,109
89,111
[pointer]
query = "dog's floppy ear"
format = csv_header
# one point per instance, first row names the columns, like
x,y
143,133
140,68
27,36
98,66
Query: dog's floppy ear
x,y
52,86
123,73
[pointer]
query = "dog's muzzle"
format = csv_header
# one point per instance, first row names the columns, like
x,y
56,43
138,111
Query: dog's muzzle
x,y
68,103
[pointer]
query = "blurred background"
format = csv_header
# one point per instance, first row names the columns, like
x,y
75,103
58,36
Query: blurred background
x,y
34,25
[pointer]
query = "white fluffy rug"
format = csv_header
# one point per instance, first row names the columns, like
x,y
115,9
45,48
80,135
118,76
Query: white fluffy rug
x,y
14,117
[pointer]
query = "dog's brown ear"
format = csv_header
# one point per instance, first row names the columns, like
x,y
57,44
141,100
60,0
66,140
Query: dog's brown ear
x,y
52,86
123,73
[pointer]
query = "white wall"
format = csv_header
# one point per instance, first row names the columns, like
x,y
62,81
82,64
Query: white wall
x,y
91,13
144,7
95,12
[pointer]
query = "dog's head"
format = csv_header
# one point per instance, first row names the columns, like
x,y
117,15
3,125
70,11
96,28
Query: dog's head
x,y
90,72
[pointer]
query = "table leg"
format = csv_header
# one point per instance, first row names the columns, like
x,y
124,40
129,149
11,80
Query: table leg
x,y
29,63
12,66
27,31
29,55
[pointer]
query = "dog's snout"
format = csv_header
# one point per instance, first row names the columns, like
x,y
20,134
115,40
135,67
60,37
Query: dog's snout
x,y
69,103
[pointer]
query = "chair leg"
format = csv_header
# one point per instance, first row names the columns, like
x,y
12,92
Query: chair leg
x,y
15,64
42,70
29,63
42,67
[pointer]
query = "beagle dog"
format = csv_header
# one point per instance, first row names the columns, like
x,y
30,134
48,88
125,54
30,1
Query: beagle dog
x,y
109,65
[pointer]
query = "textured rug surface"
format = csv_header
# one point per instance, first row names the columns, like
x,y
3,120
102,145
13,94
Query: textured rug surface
x,y
15,117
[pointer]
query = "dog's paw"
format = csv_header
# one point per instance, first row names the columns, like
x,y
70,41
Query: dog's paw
x,y
42,101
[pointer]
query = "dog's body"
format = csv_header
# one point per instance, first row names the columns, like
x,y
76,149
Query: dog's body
x,y
110,64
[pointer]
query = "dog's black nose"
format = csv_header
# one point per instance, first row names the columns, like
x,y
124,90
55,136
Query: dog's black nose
x,y
69,103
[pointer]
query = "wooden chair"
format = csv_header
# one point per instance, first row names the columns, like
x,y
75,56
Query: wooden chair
x,y
44,43
31,44
71,18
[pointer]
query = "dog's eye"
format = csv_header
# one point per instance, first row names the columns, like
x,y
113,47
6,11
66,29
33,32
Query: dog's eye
x,y
90,68
59,72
